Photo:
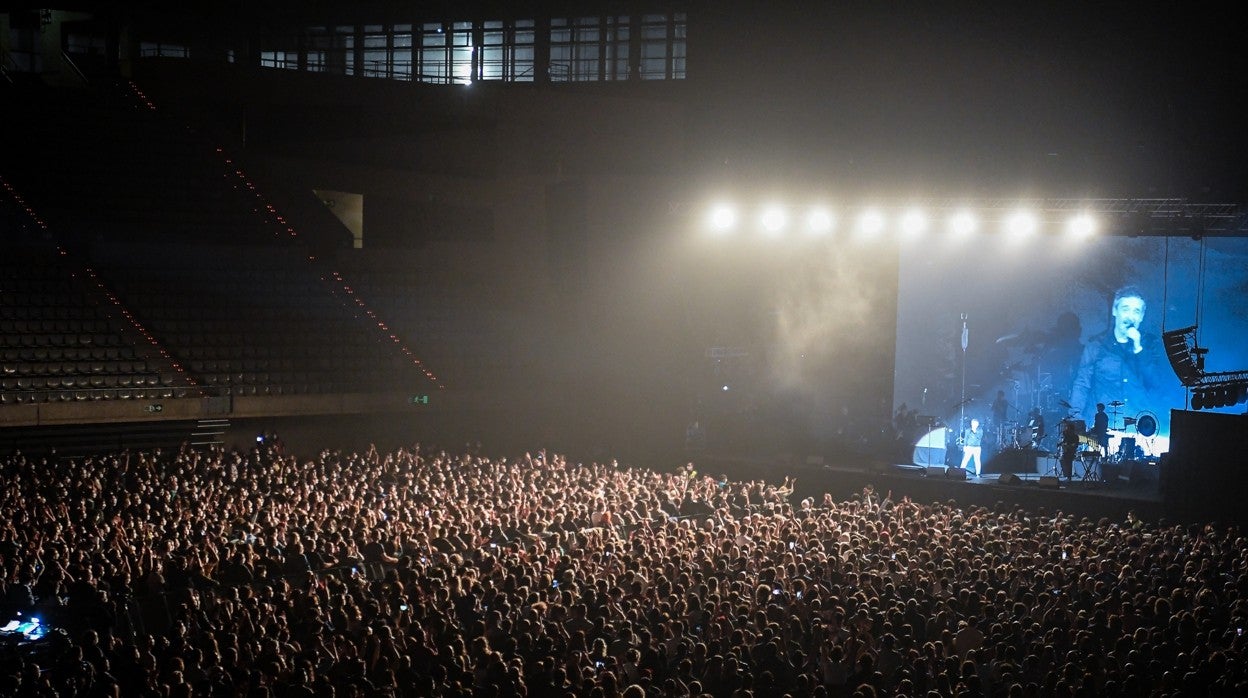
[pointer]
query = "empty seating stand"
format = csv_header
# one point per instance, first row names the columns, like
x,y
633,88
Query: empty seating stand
x,y
255,320
191,255
63,340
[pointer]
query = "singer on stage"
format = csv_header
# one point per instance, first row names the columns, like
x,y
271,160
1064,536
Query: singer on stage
x,y
972,447
1117,366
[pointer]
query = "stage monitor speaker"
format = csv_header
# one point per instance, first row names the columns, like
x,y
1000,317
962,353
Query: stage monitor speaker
x,y
1009,479
1050,482
956,474
935,471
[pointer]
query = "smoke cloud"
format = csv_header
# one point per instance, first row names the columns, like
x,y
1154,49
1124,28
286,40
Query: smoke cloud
x,y
828,317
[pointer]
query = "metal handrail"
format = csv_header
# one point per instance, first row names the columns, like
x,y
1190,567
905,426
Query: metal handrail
x,y
74,67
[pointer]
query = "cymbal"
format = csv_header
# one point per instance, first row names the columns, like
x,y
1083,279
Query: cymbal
x,y
1117,403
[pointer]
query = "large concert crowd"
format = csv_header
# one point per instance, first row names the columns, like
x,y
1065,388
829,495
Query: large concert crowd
x,y
423,573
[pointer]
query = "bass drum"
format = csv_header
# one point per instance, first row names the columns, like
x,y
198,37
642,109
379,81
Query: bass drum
x,y
1146,424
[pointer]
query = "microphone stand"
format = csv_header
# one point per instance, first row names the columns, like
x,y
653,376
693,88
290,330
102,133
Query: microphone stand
x,y
965,341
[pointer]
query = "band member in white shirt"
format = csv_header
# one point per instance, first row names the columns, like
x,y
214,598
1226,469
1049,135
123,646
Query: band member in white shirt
x,y
972,447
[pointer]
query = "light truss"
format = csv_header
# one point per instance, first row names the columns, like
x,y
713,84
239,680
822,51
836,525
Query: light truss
x,y
1209,390
1130,217
1118,216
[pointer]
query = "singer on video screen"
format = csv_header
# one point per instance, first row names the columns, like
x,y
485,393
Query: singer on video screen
x,y
1117,365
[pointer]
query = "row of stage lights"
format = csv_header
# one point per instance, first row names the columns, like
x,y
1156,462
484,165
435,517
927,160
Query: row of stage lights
x,y
1219,396
776,221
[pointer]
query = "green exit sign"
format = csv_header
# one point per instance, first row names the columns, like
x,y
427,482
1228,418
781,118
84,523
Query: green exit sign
x,y
419,399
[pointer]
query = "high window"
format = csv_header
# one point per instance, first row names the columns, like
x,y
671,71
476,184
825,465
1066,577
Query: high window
x,y
587,49
602,48
507,51
663,47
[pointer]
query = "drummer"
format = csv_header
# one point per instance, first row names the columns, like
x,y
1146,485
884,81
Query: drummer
x,y
1000,418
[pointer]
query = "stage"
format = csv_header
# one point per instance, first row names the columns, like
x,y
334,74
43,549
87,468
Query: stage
x,y
1122,490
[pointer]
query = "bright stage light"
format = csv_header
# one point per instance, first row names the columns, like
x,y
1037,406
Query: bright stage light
x,y
913,224
722,217
774,219
1020,224
819,221
1081,225
963,223
870,222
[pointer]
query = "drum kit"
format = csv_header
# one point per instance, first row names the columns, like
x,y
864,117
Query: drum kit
x,y
1012,434
1017,436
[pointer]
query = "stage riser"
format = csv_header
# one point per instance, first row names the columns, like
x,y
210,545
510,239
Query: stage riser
x,y
1078,498
1017,462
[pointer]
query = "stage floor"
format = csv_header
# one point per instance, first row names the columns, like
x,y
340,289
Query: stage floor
x,y
1134,490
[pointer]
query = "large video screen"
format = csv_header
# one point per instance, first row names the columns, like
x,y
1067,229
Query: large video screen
x,y
1005,331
